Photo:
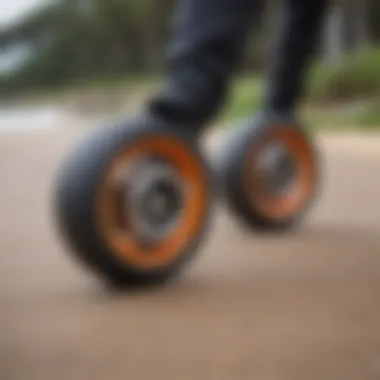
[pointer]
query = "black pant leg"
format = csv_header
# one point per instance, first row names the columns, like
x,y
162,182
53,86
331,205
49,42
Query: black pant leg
x,y
207,45
298,34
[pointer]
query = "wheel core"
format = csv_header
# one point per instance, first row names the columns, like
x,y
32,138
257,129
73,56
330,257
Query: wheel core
x,y
152,201
284,173
276,167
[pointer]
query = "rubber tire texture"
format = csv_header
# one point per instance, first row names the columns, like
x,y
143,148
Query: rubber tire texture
x,y
230,173
74,203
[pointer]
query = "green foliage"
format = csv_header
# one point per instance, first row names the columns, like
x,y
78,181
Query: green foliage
x,y
245,99
71,40
357,75
354,78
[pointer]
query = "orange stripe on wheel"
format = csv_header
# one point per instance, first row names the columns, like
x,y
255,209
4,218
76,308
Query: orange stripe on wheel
x,y
302,188
123,243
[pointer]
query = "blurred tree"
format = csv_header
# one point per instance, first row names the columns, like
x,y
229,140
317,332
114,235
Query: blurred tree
x,y
77,39
349,27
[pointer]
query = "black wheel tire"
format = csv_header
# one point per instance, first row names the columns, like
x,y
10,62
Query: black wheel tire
x,y
74,203
230,174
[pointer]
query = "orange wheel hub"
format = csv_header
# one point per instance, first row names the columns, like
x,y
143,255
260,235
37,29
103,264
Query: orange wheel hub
x,y
301,185
115,215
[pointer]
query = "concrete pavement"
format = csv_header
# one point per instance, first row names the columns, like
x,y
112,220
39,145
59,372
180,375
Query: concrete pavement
x,y
301,306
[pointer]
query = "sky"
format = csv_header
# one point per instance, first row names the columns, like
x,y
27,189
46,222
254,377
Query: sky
x,y
12,9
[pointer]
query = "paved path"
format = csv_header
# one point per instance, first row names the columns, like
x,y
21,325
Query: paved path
x,y
304,306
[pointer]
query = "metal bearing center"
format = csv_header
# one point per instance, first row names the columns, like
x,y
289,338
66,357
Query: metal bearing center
x,y
154,198
277,168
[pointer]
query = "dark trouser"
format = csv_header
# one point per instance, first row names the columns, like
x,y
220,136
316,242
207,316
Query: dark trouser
x,y
209,39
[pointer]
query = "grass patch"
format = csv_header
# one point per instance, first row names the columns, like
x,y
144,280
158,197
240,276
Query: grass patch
x,y
341,96
245,99
344,115
334,100
355,76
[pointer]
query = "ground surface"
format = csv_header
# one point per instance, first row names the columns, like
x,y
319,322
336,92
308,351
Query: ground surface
x,y
302,306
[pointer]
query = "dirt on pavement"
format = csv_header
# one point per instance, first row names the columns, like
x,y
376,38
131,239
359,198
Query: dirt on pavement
x,y
305,305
